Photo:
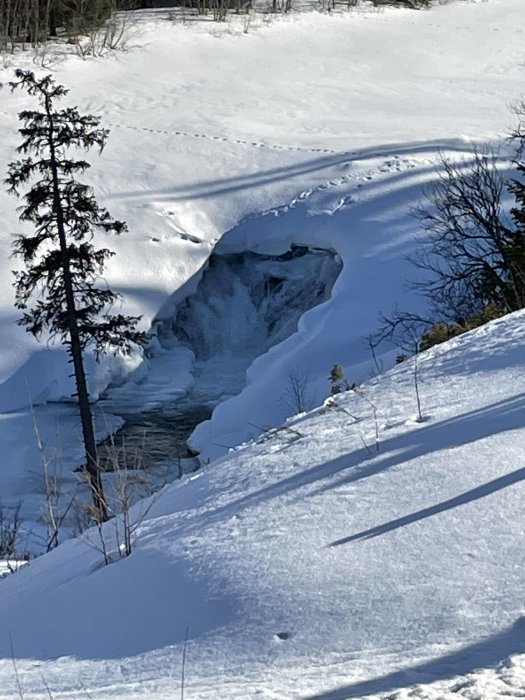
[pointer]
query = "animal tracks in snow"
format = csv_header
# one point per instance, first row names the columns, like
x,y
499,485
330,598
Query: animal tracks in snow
x,y
179,230
226,139
357,176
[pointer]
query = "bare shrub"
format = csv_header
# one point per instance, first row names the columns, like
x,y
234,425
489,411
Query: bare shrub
x,y
57,504
112,35
131,491
297,396
473,259
10,524
13,554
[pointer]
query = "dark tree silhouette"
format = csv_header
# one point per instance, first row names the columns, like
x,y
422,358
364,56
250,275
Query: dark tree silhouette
x,y
517,186
34,21
473,250
61,290
473,259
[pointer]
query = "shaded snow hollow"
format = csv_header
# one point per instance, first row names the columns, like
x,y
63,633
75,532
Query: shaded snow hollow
x,y
242,305
235,309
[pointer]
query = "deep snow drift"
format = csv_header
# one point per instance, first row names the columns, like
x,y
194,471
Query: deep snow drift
x,y
236,308
247,303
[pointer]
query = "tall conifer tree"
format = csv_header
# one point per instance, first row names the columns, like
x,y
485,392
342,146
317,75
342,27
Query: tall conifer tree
x,y
61,289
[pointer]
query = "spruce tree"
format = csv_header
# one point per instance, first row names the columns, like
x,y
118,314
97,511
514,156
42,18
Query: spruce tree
x,y
61,290
517,187
517,249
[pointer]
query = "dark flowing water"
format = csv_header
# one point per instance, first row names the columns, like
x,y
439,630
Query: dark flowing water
x,y
244,304
152,438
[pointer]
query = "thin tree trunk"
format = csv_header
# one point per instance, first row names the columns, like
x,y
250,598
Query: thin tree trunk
x,y
75,348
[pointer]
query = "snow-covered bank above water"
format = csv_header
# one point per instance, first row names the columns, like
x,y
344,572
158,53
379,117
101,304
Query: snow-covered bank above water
x,y
331,127
191,150
307,564
310,564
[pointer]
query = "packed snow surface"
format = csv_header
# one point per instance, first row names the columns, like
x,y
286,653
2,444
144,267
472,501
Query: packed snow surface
x,y
326,560
308,565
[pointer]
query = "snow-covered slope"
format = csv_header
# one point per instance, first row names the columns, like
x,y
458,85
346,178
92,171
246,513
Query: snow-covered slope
x,y
191,151
311,129
313,563
310,564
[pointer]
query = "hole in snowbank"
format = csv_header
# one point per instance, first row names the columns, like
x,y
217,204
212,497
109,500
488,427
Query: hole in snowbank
x,y
244,304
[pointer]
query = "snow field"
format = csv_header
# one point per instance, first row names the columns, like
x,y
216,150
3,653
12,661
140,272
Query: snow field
x,y
179,194
408,557
395,573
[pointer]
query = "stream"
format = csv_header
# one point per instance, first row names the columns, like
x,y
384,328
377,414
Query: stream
x,y
244,304
155,439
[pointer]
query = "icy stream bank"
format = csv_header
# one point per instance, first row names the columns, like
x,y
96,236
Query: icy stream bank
x,y
244,304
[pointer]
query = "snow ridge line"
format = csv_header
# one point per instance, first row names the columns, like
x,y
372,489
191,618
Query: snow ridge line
x,y
386,150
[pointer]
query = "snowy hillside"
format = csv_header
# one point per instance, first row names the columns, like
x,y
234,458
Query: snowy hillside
x,y
311,564
311,130
267,179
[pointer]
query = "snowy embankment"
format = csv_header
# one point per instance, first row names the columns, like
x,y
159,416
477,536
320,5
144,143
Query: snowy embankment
x,y
317,119
388,572
312,564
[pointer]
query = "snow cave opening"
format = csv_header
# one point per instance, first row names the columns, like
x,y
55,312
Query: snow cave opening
x,y
244,304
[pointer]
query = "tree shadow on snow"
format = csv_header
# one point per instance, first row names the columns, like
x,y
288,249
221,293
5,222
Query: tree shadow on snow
x,y
502,356
454,432
489,652
236,183
134,606
422,440
479,492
